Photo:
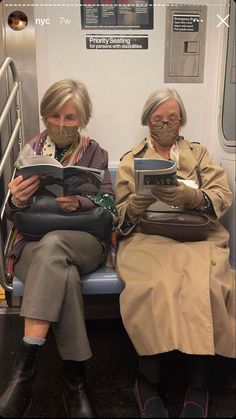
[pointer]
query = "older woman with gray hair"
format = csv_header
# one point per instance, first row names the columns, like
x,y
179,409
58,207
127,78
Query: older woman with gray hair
x,y
51,266
178,295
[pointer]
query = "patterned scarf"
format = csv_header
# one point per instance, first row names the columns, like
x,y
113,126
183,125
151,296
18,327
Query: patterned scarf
x,y
72,155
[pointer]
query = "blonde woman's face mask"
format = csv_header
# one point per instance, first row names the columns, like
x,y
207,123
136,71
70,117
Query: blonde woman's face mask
x,y
62,126
61,135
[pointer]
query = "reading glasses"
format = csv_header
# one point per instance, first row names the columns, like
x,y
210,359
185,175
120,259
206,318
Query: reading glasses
x,y
175,123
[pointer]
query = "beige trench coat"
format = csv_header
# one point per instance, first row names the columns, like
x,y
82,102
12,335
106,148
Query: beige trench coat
x,y
178,296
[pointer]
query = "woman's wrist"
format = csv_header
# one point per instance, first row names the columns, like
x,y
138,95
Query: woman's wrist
x,y
18,204
206,205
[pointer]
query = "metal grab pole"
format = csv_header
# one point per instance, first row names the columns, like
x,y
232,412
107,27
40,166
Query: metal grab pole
x,y
14,97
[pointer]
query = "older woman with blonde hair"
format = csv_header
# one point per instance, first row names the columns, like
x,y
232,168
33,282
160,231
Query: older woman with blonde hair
x,y
51,266
178,295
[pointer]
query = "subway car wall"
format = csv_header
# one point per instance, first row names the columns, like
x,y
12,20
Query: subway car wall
x,y
122,56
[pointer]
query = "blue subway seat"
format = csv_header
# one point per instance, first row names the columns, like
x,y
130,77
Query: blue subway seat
x,y
102,281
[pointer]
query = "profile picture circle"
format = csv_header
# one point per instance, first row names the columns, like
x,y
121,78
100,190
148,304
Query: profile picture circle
x,y
17,20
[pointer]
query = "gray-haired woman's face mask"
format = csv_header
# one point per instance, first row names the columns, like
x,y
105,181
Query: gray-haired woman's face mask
x,y
62,135
165,136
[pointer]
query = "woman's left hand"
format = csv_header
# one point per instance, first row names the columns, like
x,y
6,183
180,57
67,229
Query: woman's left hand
x,y
178,196
68,203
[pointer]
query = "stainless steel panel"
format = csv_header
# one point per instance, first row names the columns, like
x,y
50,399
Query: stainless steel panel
x,y
185,44
2,35
229,100
20,45
5,131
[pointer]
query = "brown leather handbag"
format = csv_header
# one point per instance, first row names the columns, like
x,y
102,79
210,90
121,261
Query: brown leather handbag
x,y
180,226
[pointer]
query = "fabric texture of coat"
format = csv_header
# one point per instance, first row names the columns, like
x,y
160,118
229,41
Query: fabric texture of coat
x,y
178,295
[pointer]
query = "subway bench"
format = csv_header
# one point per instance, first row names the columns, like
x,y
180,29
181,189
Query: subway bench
x,y
100,289
102,281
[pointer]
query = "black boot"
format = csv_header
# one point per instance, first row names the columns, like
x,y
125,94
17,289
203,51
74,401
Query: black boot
x,y
76,397
16,400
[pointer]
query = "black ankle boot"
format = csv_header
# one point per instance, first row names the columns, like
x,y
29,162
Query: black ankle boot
x,y
76,397
16,400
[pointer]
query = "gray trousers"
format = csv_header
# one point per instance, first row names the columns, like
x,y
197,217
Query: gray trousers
x,y
50,269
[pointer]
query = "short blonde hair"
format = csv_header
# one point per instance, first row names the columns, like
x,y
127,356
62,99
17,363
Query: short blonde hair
x,y
60,92
156,99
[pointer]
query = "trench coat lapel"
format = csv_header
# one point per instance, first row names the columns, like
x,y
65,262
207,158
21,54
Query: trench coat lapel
x,y
187,162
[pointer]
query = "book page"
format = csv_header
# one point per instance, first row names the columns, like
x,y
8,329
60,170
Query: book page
x,y
82,181
40,159
98,172
152,172
51,178
42,170
160,166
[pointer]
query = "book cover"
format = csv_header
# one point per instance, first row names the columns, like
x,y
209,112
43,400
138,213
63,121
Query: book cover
x,y
152,172
57,180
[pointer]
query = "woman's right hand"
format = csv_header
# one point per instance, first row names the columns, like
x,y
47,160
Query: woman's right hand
x,y
138,204
22,190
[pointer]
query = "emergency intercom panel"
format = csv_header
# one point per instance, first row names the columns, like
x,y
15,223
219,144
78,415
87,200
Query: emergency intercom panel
x,y
185,44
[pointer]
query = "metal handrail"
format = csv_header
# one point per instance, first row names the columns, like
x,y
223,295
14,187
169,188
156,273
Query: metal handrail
x,y
16,132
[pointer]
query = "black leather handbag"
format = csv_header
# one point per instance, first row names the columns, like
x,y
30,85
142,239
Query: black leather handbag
x,y
45,215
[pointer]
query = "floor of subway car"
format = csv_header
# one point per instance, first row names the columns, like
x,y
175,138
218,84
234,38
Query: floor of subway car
x,y
111,374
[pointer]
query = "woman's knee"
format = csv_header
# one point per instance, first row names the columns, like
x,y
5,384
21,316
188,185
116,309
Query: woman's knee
x,y
51,239
79,241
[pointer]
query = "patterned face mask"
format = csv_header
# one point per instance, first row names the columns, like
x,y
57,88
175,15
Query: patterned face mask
x,y
164,136
62,135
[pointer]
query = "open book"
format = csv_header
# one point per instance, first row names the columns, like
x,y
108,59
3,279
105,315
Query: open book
x,y
152,172
58,180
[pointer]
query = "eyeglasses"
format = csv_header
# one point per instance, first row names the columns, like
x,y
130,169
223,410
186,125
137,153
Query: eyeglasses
x,y
175,123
